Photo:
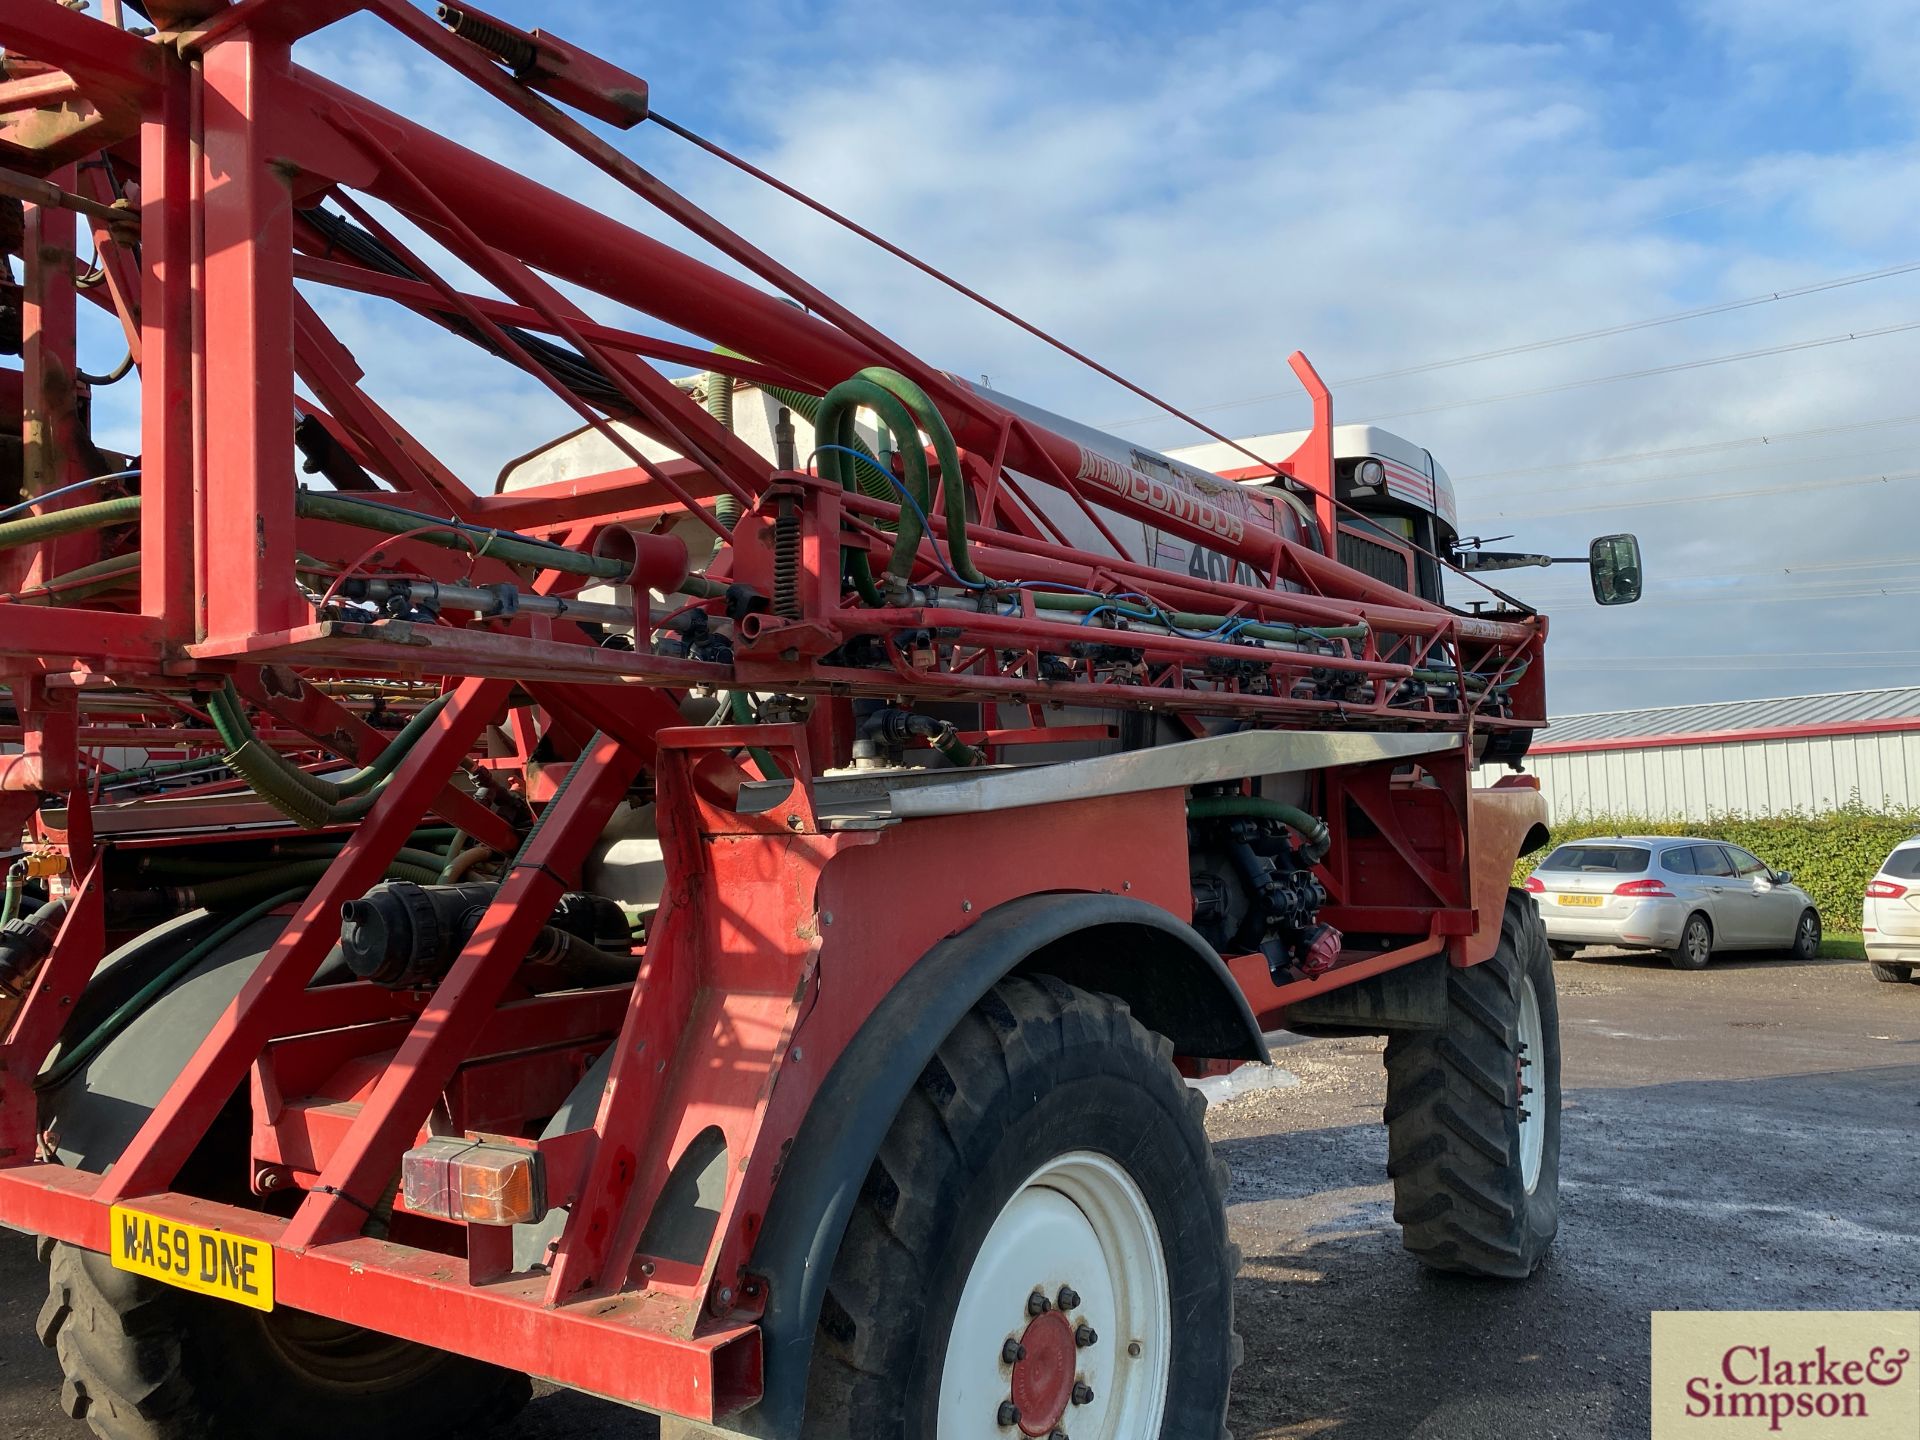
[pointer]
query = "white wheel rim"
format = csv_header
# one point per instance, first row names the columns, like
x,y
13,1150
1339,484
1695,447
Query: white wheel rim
x,y
1079,1223
1533,1117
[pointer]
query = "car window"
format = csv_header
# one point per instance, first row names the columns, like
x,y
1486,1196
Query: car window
x,y
1903,864
1711,860
1599,859
1746,864
1678,861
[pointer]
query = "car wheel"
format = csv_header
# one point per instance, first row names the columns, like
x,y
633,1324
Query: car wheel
x,y
1562,951
1806,936
1696,945
1891,974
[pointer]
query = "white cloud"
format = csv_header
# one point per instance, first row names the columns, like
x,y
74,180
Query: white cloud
x,y
1376,184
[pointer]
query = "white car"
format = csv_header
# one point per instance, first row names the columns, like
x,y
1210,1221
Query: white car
x,y
1890,915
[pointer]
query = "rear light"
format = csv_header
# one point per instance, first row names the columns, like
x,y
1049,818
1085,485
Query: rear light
x,y
1534,885
1643,888
460,1179
1885,890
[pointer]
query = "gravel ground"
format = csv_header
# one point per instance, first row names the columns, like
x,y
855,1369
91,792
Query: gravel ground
x,y
1747,1137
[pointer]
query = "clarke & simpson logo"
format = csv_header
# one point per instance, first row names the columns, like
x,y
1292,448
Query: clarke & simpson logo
x,y
1801,1374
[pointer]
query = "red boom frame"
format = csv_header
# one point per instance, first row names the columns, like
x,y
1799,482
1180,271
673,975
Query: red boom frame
x,y
195,158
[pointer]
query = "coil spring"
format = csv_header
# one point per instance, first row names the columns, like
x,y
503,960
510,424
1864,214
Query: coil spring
x,y
496,39
786,562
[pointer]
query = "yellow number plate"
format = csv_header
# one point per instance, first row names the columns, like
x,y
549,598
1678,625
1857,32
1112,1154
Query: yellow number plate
x,y
211,1262
1582,899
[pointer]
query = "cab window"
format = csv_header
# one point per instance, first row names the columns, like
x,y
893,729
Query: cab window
x,y
1745,864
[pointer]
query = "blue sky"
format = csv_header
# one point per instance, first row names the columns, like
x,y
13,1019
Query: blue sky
x,y
1191,191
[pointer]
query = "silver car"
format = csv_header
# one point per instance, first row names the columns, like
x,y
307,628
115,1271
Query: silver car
x,y
1690,898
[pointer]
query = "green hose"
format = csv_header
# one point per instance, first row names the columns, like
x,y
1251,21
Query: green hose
x,y
1189,620
188,871
161,767
83,1050
112,573
837,427
953,483
870,482
10,901
957,751
309,800
726,508
55,523
453,535
1312,830
238,889
741,713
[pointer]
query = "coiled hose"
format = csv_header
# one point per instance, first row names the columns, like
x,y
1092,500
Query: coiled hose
x,y
726,507
309,800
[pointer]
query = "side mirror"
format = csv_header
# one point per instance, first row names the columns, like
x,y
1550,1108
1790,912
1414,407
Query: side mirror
x,y
1614,563
1782,877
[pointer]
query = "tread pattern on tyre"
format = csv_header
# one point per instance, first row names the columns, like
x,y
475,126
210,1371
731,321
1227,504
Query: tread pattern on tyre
x,y
858,1359
1451,1094
123,1344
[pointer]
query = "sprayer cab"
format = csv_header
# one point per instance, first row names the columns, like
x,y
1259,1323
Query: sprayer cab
x,y
1397,507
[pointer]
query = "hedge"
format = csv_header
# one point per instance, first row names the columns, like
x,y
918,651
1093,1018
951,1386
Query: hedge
x,y
1832,856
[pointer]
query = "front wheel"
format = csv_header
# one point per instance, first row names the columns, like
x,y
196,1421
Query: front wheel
x,y
1473,1112
1040,1245
1806,936
1891,974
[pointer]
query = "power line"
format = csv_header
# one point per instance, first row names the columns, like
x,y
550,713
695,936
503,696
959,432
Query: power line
x,y
1817,343
1749,468
1797,488
1680,451
1629,327
1530,346
1809,660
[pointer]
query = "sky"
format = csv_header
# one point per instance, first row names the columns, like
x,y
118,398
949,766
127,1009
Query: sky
x,y
1190,192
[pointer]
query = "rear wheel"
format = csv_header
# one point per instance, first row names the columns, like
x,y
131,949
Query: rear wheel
x,y
1040,1245
1473,1113
1563,951
144,1361
1892,974
1696,945
1806,936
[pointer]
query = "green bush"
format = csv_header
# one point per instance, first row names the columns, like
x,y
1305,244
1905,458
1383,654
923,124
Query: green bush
x,y
1832,856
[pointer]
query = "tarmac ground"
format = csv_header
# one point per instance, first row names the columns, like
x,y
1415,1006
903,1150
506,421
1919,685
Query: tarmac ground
x,y
1745,1137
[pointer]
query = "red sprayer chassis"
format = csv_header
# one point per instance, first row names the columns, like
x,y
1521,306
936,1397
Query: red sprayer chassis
x,y
925,746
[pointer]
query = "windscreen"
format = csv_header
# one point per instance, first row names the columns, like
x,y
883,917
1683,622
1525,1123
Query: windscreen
x,y
1598,859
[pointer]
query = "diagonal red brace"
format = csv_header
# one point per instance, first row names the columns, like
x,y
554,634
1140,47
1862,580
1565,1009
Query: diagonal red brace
x,y
272,996
360,1170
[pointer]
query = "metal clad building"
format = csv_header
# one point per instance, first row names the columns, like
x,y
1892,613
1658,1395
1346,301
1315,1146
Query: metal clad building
x,y
1806,753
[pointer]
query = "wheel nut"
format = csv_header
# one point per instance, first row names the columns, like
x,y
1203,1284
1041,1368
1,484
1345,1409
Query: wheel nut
x,y
1085,1336
1038,1304
1009,1414
1082,1393
1012,1353
1069,1298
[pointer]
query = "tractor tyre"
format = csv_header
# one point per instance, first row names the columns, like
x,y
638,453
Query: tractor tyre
x,y
1040,1245
1473,1112
145,1361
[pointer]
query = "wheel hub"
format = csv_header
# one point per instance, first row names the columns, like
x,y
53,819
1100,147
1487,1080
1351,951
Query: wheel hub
x,y
1043,1376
